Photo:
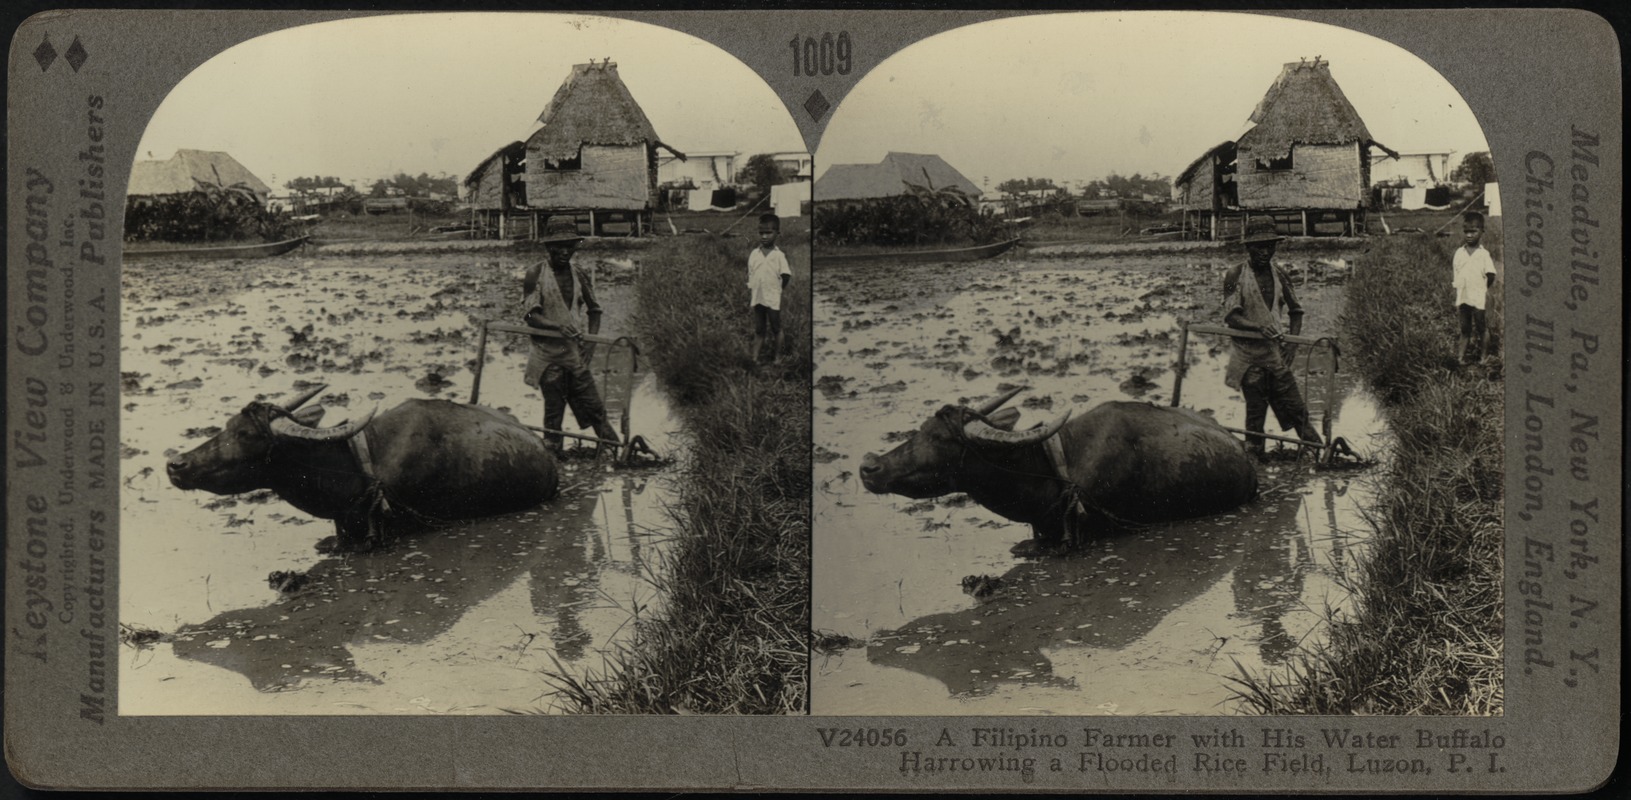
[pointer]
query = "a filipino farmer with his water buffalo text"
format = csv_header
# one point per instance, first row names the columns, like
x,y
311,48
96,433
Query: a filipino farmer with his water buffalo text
x,y
559,365
1253,294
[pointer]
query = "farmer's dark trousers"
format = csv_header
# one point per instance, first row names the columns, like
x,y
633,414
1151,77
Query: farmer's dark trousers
x,y
572,386
1266,388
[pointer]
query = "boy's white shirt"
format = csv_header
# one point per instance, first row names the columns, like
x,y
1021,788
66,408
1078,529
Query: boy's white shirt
x,y
1470,268
764,276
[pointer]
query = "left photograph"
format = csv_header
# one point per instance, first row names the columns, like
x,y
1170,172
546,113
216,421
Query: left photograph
x,y
465,365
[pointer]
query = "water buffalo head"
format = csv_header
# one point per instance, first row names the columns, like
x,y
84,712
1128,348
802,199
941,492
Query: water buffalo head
x,y
931,461
240,457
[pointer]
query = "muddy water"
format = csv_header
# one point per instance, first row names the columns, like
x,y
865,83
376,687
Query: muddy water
x,y
1149,622
453,618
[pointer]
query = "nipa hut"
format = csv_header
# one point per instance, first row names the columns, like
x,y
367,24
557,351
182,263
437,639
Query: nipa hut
x,y
595,152
1304,159
893,176
183,173
496,190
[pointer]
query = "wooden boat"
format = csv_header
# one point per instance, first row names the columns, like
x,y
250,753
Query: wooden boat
x,y
976,253
259,250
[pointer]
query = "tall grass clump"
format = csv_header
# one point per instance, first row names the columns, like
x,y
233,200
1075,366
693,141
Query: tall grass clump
x,y
1424,631
729,637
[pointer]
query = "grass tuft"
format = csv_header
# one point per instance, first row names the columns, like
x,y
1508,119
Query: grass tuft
x,y
1424,634
730,634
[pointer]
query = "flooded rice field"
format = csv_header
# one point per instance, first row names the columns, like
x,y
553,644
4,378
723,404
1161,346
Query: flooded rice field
x,y
1145,622
457,617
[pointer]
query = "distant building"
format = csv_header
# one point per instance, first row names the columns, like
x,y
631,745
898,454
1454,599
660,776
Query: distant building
x,y
894,176
1411,169
795,165
700,169
1304,159
184,172
594,153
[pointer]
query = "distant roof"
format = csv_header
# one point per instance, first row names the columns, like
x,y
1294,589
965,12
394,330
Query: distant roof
x,y
511,150
1304,106
177,174
591,107
889,178
1194,166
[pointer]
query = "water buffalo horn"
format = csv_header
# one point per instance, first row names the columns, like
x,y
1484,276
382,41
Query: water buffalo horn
x,y
981,431
992,405
300,399
283,426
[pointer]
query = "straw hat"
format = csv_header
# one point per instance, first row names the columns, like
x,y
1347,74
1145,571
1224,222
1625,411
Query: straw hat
x,y
561,229
1260,231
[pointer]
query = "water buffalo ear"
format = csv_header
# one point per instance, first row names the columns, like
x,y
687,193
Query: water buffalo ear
x,y
1005,419
309,417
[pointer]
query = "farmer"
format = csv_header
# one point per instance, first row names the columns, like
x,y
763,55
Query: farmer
x,y
1474,276
559,365
768,275
1253,293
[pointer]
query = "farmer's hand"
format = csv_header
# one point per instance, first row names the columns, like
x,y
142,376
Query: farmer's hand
x,y
569,331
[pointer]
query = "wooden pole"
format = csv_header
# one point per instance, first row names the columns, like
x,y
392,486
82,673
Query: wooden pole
x,y
481,361
1221,330
1277,437
511,327
1183,362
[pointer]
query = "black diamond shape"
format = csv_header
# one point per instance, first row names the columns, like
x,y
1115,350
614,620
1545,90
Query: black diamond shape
x,y
45,54
817,105
76,55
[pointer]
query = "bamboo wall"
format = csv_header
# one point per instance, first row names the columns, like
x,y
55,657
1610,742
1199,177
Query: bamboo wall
x,y
1197,194
615,178
1321,177
488,193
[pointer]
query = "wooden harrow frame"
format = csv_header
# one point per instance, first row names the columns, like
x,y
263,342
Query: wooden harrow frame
x,y
626,449
1332,451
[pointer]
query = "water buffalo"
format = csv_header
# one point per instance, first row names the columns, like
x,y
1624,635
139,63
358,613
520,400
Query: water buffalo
x,y
1127,463
427,459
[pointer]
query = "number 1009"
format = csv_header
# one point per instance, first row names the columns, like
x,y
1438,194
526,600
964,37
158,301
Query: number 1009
x,y
823,56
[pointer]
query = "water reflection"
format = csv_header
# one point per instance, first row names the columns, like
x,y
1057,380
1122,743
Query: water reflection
x,y
415,590
1118,589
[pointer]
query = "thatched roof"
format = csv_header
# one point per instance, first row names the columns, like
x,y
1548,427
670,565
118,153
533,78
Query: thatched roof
x,y
591,107
889,178
177,174
513,150
1304,106
1194,166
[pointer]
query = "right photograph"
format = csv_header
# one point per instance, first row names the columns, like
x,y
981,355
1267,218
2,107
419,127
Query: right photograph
x,y
1158,372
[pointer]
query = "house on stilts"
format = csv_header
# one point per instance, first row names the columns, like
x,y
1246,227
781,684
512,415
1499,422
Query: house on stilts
x,y
591,156
594,154
496,191
1304,161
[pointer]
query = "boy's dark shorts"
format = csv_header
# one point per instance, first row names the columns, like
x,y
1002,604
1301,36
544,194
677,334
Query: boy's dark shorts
x,y
766,320
1472,319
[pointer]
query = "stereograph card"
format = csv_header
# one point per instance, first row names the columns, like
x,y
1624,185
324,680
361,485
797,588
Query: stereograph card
x,y
888,400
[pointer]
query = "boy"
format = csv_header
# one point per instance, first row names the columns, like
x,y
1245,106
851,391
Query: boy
x,y
1474,276
768,275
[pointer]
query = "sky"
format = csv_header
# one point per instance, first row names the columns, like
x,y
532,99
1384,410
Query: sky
x,y
1074,97
438,93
